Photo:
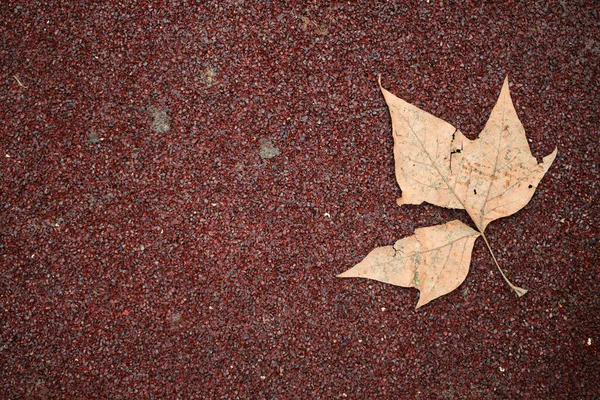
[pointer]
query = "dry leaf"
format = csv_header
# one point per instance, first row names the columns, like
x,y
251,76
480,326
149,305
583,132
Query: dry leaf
x,y
491,177
434,260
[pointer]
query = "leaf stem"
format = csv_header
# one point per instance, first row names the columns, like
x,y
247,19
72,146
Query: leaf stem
x,y
520,291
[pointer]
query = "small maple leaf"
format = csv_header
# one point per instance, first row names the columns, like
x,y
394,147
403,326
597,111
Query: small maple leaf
x,y
491,177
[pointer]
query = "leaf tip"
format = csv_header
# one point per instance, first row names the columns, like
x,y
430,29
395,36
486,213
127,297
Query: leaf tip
x,y
421,303
505,85
549,159
344,275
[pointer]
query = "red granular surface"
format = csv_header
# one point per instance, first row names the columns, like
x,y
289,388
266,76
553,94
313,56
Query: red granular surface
x,y
149,250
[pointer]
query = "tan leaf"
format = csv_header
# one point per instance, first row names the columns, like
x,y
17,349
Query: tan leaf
x,y
491,177
425,153
434,260
497,173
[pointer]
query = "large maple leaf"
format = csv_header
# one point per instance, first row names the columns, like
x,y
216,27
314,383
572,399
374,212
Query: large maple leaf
x,y
491,177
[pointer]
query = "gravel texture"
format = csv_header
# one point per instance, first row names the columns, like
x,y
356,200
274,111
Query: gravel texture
x,y
147,250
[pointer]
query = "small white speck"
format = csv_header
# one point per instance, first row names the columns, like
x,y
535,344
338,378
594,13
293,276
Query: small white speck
x,y
210,307
263,377
383,308
7,155
359,340
502,369
327,215
589,342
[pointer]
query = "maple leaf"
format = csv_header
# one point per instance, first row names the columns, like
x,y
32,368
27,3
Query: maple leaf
x,y
490,177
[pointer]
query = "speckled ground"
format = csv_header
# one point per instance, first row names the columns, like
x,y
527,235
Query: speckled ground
x,y
181,182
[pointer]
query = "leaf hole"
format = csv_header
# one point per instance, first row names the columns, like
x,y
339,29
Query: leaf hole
x,y
474,191
530,186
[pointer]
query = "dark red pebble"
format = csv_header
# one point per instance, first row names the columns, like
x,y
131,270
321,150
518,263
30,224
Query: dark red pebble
x,y
147,250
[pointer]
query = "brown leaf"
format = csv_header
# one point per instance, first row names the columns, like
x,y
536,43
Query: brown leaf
x,y
497,174
491,177
434,260
425,149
